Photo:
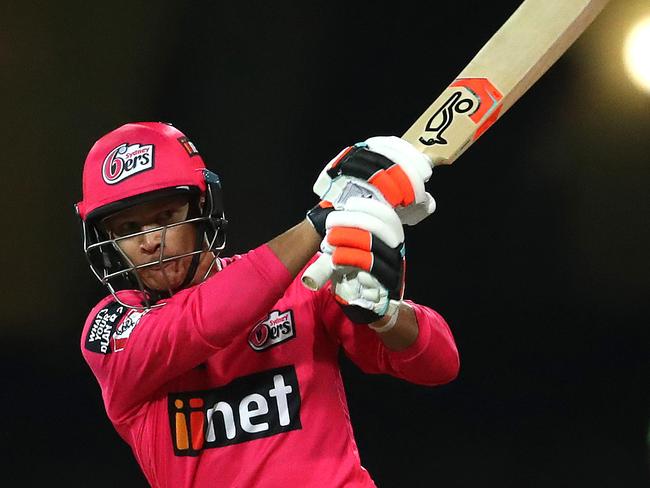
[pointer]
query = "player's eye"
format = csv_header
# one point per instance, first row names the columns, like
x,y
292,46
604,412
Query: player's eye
x,y
165,217
172,215
126,228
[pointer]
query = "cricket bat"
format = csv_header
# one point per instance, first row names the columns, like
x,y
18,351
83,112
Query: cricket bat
x,y
520,52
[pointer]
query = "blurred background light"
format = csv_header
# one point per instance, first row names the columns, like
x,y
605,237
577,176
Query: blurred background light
x,y
637,54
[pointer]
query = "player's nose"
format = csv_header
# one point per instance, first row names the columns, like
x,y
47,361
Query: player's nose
x,y
151,240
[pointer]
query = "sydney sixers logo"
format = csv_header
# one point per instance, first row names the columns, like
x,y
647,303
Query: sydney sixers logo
x,y
476,98
126,160
278,327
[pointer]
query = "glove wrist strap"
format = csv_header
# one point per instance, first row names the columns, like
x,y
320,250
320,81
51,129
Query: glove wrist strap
x,y
392,321
318,215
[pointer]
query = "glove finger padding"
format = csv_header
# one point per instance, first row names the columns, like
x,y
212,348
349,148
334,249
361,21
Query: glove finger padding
x,y
415,164
362,213
396,185
385,168
366,244
371,215
358,248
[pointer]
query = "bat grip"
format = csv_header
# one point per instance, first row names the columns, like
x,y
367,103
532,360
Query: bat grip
x,y
318,272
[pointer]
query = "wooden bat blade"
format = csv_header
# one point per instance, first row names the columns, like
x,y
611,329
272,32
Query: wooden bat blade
x,y
521,51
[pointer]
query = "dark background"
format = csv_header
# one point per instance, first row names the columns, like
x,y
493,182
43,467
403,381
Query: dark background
x,y
536,255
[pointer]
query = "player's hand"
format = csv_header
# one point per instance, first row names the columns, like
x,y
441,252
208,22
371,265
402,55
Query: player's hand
x,y
363,298
365,235
386,168
365,241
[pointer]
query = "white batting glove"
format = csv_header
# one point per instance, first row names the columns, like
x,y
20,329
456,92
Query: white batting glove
x,y
388,169
417,166
363,253
363,298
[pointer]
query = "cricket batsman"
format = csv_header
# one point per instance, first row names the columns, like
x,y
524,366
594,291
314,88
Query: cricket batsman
x,y
223,371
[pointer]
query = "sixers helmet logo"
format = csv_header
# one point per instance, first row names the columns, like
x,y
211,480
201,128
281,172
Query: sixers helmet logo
x,y
127,160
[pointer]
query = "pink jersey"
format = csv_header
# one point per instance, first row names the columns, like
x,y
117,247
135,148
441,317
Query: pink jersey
x,y
235,382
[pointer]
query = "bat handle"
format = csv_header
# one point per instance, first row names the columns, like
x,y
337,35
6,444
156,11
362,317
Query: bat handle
x,y
318,272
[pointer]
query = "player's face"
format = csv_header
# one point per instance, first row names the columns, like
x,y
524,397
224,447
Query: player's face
x,y
152,246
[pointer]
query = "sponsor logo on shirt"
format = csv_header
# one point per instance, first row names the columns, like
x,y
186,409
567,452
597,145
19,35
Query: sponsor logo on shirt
x,y
276,328
112,327
123,331
248,408
103,326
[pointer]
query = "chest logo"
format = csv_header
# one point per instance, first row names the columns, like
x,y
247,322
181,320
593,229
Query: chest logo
x,y
278,327
248,408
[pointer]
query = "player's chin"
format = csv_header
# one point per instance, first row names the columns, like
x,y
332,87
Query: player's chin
x,y
162,278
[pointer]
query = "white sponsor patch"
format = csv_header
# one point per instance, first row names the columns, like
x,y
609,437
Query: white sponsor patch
x,y
278,327
121,335
127,160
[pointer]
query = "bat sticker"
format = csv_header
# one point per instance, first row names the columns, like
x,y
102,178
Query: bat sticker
x,y
479,100
444,117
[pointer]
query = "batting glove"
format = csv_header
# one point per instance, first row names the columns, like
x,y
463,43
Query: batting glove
x,y
365,244
388,169
362,297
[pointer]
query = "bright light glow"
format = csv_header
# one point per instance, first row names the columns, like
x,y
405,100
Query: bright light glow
x,y
637,54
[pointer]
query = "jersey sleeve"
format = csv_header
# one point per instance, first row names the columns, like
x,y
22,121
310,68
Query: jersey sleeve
x,y
431,360
134,353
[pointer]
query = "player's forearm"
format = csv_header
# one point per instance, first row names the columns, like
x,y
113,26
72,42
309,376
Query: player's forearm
x,y
295,247
432,359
